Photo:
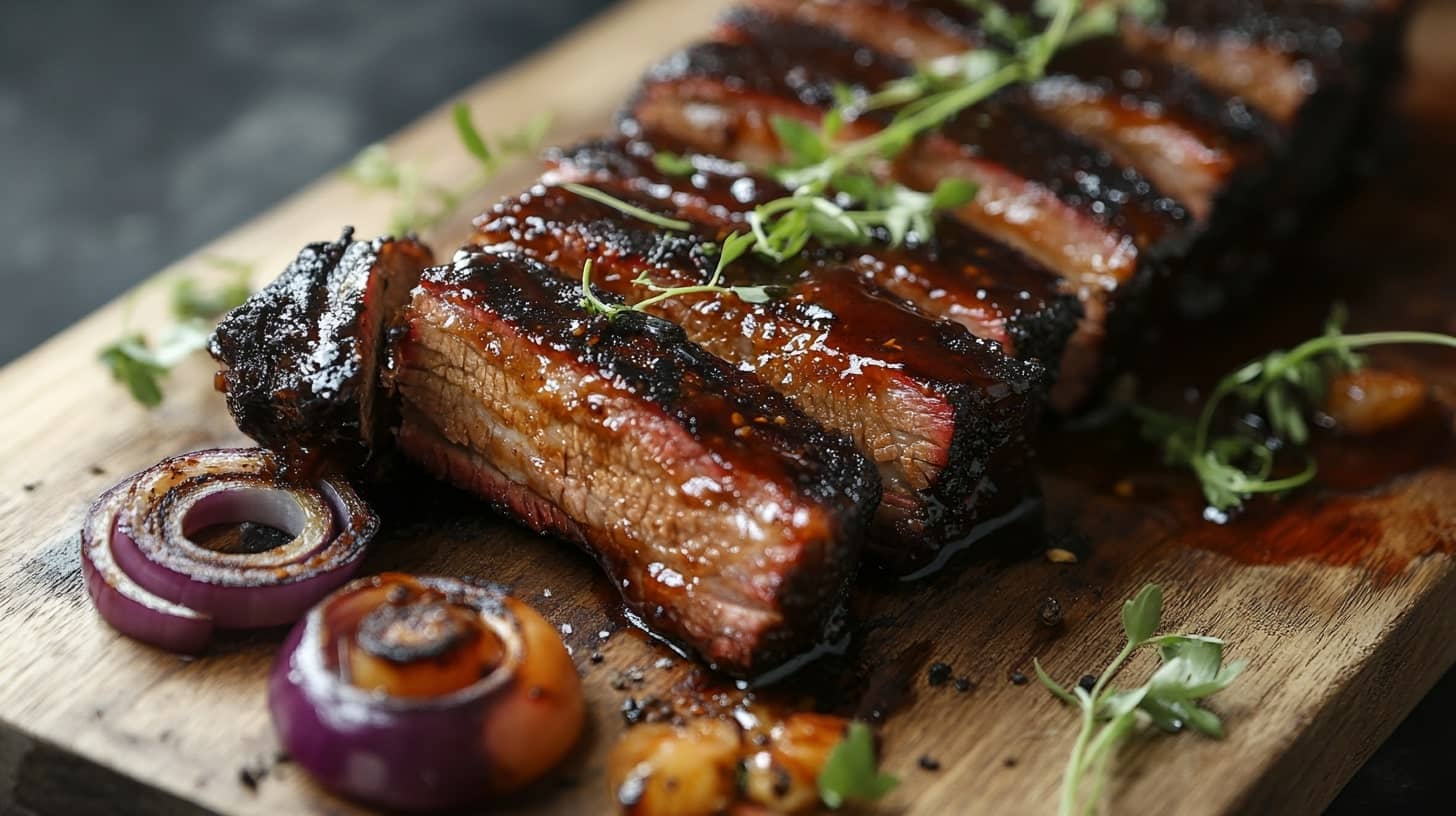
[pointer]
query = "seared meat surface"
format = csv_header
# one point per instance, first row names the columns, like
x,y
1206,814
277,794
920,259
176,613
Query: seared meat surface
x,y
1191,141
730,521
961,275
728,459
1060,200
301,357
944,414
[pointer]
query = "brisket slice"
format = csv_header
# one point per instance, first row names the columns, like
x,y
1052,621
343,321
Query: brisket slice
x,y
1043,191
960,275
729,520
1316,68
945,415
1200,146
301,356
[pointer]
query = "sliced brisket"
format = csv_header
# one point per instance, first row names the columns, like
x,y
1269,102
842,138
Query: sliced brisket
x,y
1198,145
945,415
729,520
961,275
1043,191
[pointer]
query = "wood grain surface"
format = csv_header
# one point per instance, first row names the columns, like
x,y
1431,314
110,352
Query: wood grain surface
x,y
1343,638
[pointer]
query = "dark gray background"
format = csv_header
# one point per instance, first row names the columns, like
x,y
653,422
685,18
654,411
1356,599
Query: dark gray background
x,y
132,132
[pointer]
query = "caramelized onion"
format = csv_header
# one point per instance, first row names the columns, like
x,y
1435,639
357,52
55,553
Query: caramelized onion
x,y
151,580
714,765
425,693
1368,401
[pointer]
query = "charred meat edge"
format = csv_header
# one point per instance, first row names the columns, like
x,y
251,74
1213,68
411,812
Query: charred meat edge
x,y
301,357
729,521
930,404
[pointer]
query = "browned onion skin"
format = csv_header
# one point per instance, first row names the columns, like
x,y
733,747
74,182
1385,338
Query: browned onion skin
x,y
372,678
712,765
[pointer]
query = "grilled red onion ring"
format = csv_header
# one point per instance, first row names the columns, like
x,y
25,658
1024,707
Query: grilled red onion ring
x,y
424,693
152,582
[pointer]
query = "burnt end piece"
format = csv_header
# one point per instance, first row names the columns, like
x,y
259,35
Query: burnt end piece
x,y
301,357
943,414
729,520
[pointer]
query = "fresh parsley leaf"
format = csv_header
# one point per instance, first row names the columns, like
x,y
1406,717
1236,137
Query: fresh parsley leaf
x,y
851,773
374,168
132,365
950,194
804,144
1141,613
190,301
673,164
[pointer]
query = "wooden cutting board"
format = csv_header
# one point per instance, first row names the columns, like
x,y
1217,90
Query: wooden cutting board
x,y
1342,599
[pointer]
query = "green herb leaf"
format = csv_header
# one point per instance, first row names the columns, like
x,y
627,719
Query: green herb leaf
x,y
851,773
803,143
528,139
132,365
1192,669
630,209
375,168
1141,614
673,164
951,194
1284,386
470,137
189,301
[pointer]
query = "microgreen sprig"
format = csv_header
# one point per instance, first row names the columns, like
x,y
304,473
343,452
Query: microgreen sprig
x,y
1191,669
140,366
423,205
1282,386
732,248
837,198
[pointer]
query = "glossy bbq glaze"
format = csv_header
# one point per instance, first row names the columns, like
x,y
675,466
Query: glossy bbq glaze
x,y
729,521
961,275
944,414
1042,191
1198,145
770,65
301,356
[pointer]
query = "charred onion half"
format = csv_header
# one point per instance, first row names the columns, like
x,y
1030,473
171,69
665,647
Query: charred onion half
x,y
153,582
424,693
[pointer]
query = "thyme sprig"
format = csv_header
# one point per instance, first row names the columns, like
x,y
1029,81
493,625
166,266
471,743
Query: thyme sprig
x,y
732,248
1191,669
838,197
137,363
421,204
1283,387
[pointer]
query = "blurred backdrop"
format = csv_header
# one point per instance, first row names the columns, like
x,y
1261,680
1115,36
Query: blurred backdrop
x,y
133,132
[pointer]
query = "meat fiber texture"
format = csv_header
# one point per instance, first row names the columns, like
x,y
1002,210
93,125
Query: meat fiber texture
x,y
730,521
944,414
